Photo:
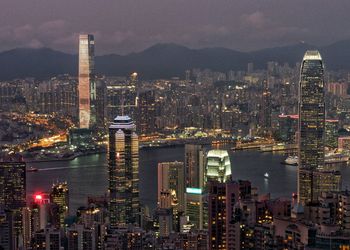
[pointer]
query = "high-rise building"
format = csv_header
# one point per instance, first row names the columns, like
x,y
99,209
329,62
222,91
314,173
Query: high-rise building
x,y
13,193
311,124
266,109
194,165
6,229
171,178
81,238
47,239
86,87
60,196
124,204
224,231
195,206
146,119
218,167
331,133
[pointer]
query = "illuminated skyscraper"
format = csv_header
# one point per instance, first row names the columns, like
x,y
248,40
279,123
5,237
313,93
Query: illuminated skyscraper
x,y
195,206
222,227
124,206
218,166
60,196
87,88
171,178
13,193
311,125
194,165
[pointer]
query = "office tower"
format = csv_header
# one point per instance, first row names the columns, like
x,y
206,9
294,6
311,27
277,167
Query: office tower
x,y
326,181
195,205
311,124
44,212
80,238
87,88
218,167
194,165
124,204
331,133
165,219
171,178
47,239
266,109
146,119
13,193
13,183
60,196
224,230
6,229
121,97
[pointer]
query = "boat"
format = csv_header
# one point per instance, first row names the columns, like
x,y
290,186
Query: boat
x,y
266,175
291,160
336,158
330,158
31,169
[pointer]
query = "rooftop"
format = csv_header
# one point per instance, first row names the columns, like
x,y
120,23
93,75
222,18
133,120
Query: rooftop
x,y
123,121
312,55
217,153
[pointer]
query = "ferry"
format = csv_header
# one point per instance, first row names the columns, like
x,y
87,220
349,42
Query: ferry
x,y
330,158
31,169
291,160
336,158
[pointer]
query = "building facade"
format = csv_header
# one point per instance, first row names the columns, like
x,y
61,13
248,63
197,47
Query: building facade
x,y
86,86
123,161
311,124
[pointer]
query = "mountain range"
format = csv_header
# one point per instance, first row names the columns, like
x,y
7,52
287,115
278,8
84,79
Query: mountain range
x,y
163,60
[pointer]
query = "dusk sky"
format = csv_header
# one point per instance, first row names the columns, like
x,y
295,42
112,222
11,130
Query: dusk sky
x,y
133,25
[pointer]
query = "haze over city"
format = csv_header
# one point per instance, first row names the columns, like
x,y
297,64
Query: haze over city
x,y
128,26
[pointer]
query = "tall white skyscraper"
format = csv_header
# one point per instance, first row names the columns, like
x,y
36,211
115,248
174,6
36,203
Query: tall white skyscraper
x,y
86,87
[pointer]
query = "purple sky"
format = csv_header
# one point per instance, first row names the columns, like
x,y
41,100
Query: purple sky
x,y
132,25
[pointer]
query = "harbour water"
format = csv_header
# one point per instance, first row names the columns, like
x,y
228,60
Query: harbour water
x,y
88,175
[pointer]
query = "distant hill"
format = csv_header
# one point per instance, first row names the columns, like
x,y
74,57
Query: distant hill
x,y
163,60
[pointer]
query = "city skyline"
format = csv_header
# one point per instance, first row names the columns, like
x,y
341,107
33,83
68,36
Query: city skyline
x,y
250,152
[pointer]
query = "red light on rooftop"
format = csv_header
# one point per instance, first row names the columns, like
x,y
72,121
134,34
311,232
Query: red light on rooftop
x,y
38,197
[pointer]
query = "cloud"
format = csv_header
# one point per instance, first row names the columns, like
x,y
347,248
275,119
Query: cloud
x,y
255,20
127,26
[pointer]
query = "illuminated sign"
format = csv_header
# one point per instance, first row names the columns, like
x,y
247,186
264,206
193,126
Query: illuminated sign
x,y
194,190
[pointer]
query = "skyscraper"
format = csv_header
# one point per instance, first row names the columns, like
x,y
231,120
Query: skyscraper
x,y
223,198
194,165
13,193
60,196
86,87
124,206
146,112
311,125
171,178
218,166
195,206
